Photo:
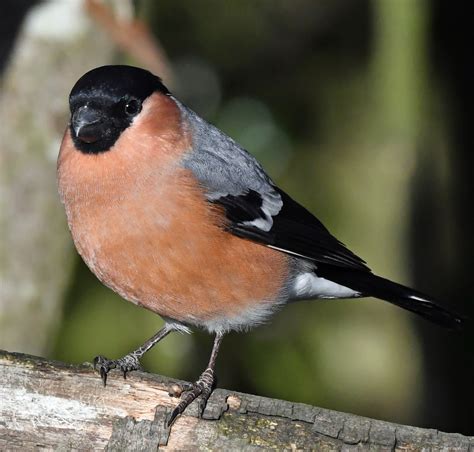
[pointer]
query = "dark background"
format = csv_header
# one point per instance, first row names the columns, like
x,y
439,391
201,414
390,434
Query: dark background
x,y
361,111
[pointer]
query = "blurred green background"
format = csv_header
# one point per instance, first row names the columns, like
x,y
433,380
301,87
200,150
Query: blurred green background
x,y
358,109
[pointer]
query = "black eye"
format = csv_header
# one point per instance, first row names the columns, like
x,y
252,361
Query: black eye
x,y
132,107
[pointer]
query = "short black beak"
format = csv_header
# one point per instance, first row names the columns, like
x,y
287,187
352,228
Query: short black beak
x,y
87,124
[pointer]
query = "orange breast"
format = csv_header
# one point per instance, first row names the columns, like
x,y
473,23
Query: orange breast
x,y
143,226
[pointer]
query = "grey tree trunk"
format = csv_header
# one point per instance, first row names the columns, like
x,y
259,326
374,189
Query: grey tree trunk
x,y
55,47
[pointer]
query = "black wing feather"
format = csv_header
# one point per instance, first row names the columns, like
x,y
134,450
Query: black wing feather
x,y
295,230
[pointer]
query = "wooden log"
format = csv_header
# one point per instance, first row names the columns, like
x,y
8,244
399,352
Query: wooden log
x,y
53,405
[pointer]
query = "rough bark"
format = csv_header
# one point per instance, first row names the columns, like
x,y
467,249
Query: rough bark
x,y
53,405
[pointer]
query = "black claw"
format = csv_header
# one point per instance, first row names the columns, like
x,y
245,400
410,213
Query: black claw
x,y
103,375
125,364
201,389
202,405
172,417
103,365
99,361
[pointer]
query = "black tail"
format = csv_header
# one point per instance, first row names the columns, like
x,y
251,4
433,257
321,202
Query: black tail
x,y
374,286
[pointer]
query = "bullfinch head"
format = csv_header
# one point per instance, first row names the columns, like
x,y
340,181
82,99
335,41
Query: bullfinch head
x,y
105,101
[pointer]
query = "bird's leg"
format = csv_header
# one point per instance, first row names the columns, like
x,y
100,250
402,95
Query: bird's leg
x,y
131,361
202,388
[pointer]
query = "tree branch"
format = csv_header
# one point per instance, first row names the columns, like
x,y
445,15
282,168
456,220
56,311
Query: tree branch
x,y
56,405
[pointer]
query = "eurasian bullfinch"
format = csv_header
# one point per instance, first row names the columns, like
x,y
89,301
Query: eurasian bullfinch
x,y
175,216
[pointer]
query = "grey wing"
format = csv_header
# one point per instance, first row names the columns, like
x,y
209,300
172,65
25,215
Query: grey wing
x,y
225,169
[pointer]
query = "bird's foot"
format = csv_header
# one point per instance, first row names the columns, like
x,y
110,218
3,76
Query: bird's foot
x,y
189,392
126,364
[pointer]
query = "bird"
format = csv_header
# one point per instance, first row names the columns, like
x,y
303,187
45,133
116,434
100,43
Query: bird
x,y
176,217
